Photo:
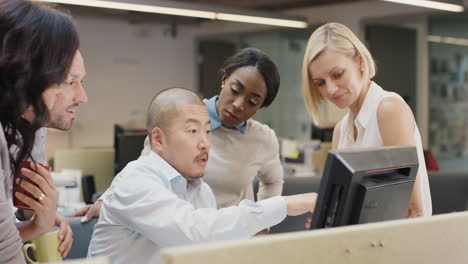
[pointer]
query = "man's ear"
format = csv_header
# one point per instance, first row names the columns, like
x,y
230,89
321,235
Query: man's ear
x,y
157,139
28,114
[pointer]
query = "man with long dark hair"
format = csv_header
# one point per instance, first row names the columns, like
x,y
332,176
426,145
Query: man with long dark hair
x,y
41,73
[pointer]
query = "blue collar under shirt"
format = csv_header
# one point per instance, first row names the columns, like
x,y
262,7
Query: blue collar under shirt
x,y
214,116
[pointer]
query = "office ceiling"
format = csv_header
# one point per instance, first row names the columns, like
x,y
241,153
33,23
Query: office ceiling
x,y
276,5
270,5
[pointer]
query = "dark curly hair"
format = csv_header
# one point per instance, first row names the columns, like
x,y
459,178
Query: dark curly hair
x,y
265,66
37,46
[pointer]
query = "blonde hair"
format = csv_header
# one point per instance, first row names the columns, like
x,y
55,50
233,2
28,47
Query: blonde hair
x,y
337,37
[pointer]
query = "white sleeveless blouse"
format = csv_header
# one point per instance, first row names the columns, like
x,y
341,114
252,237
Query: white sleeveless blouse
x,y
368,135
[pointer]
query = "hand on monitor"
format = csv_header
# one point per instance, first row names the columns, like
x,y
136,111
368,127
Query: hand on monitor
x,y
301,203
308,223
89,211
414,211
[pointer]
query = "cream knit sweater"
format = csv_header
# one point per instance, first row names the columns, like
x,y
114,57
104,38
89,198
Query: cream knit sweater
x,y
236,158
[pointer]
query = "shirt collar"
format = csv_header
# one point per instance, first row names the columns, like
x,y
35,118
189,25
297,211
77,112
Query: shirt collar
x,y
368,105
214,116
161,165
172,174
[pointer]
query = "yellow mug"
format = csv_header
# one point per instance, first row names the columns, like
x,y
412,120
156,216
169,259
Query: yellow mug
x,y
44,248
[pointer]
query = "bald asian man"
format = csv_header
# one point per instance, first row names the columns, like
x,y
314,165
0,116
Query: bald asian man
x,y
160,200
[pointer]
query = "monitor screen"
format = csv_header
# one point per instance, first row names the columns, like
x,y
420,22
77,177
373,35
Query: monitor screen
x,y
366,185
128,144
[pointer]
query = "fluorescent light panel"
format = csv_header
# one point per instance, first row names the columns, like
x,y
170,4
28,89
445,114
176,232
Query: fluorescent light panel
x,y
261,20
430,4
136,7
448,40
182,12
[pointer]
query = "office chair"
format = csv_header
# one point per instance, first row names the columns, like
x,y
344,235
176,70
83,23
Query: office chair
x,y
82,233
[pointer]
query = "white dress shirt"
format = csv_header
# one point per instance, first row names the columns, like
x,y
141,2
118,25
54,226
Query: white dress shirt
x,y
368,135
150,206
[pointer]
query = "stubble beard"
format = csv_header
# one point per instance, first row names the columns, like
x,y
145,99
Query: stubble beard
x,y
61,124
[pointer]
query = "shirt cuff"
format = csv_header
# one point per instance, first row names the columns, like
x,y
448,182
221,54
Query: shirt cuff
x,y
274,209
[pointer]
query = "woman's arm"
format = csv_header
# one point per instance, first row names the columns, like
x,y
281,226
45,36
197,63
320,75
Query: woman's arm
x,y
270,174
397,128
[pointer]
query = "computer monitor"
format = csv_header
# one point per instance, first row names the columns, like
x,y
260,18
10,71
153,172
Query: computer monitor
x,y
128,144
449,191
366,185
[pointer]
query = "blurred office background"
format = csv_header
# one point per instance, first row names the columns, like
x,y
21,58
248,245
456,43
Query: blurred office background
x,y
421,53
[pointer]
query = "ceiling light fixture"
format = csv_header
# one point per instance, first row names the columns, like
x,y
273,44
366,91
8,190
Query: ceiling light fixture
x,y
430,4
448,40
261,20
185,11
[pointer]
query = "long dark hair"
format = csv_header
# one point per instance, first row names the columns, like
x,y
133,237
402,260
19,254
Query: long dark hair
x,y
265,66
37,46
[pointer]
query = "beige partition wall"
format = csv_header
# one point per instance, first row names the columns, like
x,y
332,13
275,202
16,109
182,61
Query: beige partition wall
x,y
436,239
96,162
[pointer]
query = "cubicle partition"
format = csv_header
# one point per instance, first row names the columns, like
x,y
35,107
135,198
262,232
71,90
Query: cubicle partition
x,y
431,240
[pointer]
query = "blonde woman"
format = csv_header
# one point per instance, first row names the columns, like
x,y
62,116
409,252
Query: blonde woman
x,y
337,67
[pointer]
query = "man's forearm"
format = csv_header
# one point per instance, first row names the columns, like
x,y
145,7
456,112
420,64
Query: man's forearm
x,y
27,230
